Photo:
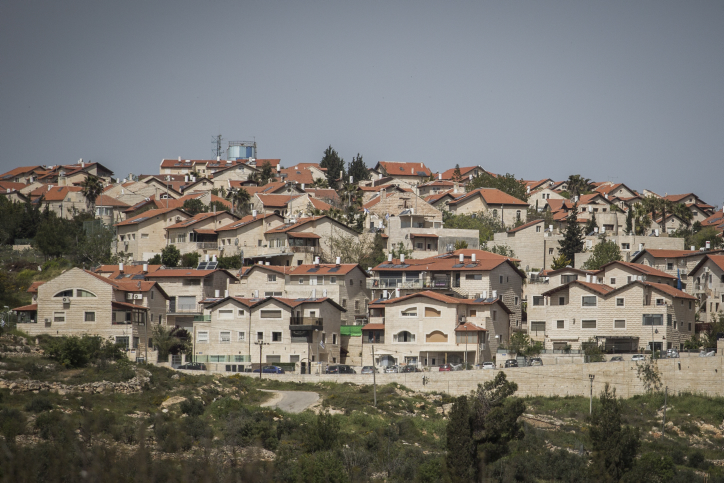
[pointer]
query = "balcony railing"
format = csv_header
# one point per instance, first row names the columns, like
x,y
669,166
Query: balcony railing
x,y
304,249
184,309
122,322
393,283
306,321
373,340
207,245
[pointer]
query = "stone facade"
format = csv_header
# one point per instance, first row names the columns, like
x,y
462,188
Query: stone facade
x,y
144,235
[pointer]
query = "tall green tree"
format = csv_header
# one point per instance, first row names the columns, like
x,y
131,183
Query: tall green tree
x,y
604,252
507,183
457,175
572,242
461,449
194,206
578,185
591,225
266,173
629,221
358,169
560,262
334,165
486,224
614,445
91,187
170,256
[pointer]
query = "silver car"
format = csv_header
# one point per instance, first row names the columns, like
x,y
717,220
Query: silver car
x,y
392,370
488,365
638,357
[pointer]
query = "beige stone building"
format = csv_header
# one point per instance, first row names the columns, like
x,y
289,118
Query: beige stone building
x,y
425,237
431,329
198,233
247,234
707,279
490,201
80,302
242,331
470,274
411,173
144,235
677,263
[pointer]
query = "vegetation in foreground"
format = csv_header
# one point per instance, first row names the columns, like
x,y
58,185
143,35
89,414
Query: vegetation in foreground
x,y
180,427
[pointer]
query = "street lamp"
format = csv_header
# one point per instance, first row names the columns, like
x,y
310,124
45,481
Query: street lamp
x,y
261,344
653,350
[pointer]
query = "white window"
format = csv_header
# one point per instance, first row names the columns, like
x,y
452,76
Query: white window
x,y
560,324
225,337
226,314
620,302
58,316
202,337
271,277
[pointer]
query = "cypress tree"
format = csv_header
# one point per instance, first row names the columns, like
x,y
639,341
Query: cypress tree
x,y
572,242
461,449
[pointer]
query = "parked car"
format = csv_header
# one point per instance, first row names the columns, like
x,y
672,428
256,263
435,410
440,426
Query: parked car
x,y
707,353
638,357
511,363
392,370
535,361
672,354
340,369
369,370
270,370
446,368
488,365
193,366
616,359
410,369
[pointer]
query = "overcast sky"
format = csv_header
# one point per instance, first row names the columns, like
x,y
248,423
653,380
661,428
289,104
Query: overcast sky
x,y
627,91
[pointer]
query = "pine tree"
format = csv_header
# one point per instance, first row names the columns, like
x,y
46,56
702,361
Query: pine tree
x,y
560,262
461,451
334,165
358,170
591,225
629,222
457,176
572,242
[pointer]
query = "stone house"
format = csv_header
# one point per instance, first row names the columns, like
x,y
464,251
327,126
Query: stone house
x,y
425,237
490,201
247,234
80,302
430,329
627,318
677,263
411,173
470,274
538,199
708,286
144,235
269,330
64,201
198,233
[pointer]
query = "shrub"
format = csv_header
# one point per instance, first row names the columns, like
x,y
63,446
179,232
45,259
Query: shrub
x,y
12,423
76,351
53,425
192,407
39,404
697,459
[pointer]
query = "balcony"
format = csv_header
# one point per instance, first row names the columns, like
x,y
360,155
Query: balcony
x,y
304,249
207,245
189,309
305,323
393,283
380,339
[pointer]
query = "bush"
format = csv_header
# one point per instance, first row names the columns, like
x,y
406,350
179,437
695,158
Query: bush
x,y
697,460
53,425
192,407
39,404
247,428
12,423
77,351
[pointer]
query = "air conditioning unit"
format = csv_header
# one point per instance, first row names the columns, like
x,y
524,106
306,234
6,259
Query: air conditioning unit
x,y
462,319
138,296
129,296
66,300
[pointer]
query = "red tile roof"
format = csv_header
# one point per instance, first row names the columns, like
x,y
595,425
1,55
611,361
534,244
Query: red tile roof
x,y
394,168
276,201
104,200
645,269
248,219
33,288
10,185
299,175
469,327
299,223
185,273
195,219
491,196
524,226
668,289
448,174
27,308
325,269
146,214
19,171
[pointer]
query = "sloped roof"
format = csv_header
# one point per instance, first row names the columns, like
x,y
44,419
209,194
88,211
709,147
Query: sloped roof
x,y
300,222
33,288
448,174
596,287
491,196
27,308
320,193
248,219
58,193
717,260
276,201
18,171
447,263
326,269
395,168
186,273
524,226
638,267
104,200
146,215
10,185
298,175
199,217
440,298
129,285
668,289
319,204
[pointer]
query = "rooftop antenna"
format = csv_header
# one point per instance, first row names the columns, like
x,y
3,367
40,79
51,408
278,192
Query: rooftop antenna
x,y
216,141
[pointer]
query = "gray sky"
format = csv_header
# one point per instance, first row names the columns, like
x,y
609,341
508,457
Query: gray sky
x,y
627,91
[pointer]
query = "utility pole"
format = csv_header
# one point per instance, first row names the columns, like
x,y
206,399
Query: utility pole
x,y
374,375
216,141
260,343
590,405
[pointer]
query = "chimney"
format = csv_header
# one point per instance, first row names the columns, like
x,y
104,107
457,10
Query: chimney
x,y
338,261
120,267
216,293
145,267
341,174
218,158
179,159
402,258
527,189
379,176
316,260
595,229
693,248
495,294
267,263
641,247
462,258
389,257
256,294
226,293
470,177
351,179
261,262
472,257
708,245
455,187
439,176
324,293
397,293
421,165
550,227
302,186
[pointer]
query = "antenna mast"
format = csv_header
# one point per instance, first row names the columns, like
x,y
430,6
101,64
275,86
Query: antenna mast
x,y
216,141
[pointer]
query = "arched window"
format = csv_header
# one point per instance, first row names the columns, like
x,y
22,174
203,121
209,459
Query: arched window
x,y
410,312
64,293
84,293
517,215
432,312
436,336
495,213
404,336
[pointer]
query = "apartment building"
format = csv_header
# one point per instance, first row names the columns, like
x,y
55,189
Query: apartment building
x,y
188,290
707,285
470,274
490,201
143,236
247,234
80,302
198,233
269,330
677,263
430,329
411,173
424,236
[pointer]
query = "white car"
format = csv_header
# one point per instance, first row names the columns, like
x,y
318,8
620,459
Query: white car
x,y
488,365
638,357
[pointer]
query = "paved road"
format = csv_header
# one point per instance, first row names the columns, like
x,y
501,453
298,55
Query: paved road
x,y
291,401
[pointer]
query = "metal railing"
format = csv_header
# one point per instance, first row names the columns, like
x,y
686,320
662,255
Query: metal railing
x,y
184,309
304,249
393,283
207,245
374,340
316,321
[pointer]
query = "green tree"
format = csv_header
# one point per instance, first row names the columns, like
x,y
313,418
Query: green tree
x,y
170,340
95,247
240,199
457,175
629,221
523,345
592,351
461,451
591,225
614,446
560,262
266,174
572,242
334,165
507,183
503,250
190,259
377,254
91,188
486,224
194,206
155,260
604,252
578,185
495,417
400,249
170,256
358,169
460,244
